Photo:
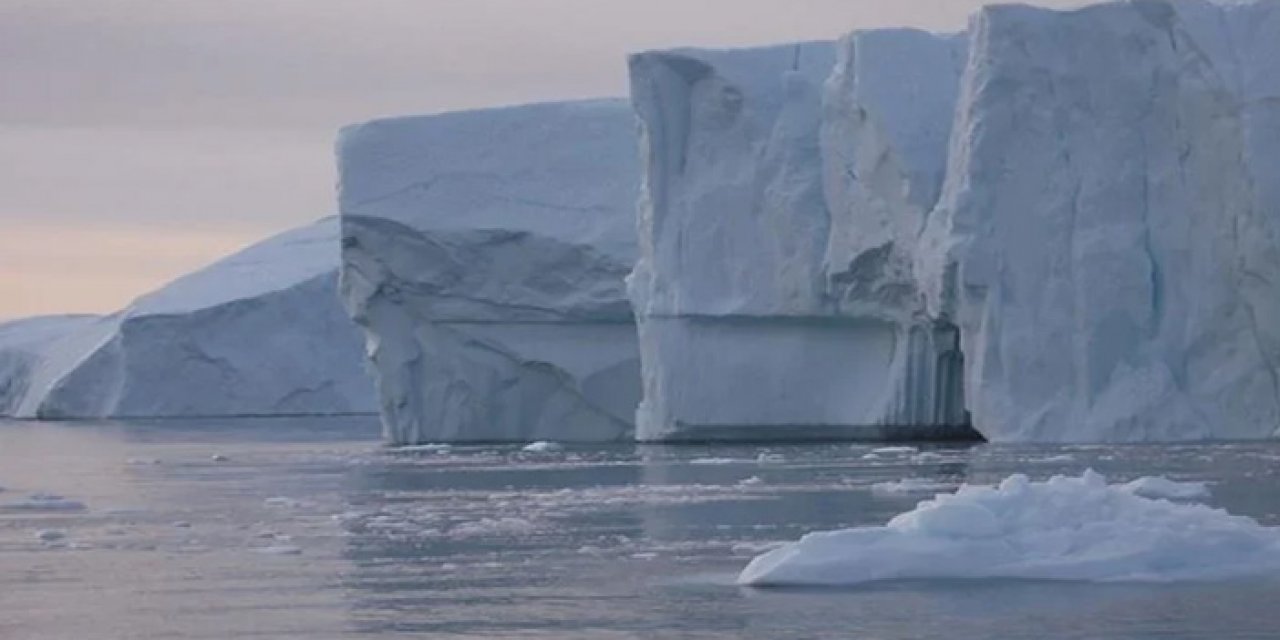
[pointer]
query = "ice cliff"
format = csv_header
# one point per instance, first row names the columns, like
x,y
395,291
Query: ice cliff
x,y
1107,237
484,254
1064,224
259,333
780,209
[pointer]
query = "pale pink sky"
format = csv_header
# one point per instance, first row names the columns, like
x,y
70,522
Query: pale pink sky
x,y
142,138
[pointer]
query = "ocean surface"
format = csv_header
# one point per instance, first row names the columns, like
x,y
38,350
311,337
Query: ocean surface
x,y
311,529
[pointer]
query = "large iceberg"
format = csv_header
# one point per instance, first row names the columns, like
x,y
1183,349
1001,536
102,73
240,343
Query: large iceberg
x,y
779,213
1107,240
484,254
1077,529
259,333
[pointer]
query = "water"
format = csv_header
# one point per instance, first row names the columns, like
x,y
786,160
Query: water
x,y
308,529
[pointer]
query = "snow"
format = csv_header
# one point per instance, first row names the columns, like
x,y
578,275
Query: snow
x,y
484,254
1107,236
1065,528
762,312
258,333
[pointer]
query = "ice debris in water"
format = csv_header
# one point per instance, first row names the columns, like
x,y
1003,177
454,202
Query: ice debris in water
x,y
1065,528
218,457
893,451
424,448
911,485
542,446
44,502
279,550
1162,487
50,535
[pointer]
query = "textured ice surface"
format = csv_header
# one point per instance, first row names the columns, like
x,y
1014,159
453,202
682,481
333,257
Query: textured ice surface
x,y
1079,529
1107,239
777,217
258,333
484,254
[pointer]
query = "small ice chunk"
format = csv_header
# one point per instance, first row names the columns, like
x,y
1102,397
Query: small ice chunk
x,y
218,457
749,482
1162,487
911,485
51,535
279,550
284,502
543,446
771,458
1058,459
928,456
142,462
712,461
1065,528
424,448
894,451
44,502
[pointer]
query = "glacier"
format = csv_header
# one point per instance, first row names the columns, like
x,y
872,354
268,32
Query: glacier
x,y
259,333
1106,240
484,255
783,190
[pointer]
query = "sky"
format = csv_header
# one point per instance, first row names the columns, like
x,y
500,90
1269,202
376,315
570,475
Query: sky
x,y
140,139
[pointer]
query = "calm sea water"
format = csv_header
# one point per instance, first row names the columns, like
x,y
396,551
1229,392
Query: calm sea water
x,y
309,529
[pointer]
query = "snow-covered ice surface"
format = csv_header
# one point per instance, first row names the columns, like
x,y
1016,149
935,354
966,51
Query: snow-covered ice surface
x,y
1064,528
260,332
312,528
484,254
777,218
1108,239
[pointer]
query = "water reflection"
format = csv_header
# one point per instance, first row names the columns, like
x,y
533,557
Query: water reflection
x,y
628,541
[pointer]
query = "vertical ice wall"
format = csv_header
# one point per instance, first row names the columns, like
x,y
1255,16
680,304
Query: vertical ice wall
x,y
484,254
765,309
1107,239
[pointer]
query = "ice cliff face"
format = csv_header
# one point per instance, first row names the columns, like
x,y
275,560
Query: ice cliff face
x,y
484,255
774,292
258,333
1107,238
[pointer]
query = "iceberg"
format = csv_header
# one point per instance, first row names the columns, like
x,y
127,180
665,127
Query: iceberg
x,y
1107,236
259,333
1065,528
778,218
484,255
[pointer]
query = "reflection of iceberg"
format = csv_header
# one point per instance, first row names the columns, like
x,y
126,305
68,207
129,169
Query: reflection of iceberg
x,y
1063,529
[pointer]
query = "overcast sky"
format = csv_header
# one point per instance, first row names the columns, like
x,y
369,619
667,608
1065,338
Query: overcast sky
x,y
142,138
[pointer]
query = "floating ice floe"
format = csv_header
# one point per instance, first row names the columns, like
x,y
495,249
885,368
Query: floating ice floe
x,y
1065,528
44,502
911,485
424,448
50,535
1162,487
542,446
279,550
